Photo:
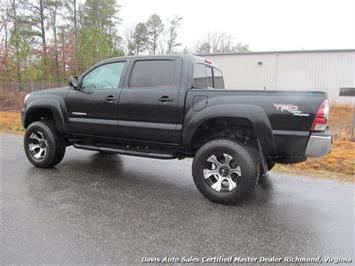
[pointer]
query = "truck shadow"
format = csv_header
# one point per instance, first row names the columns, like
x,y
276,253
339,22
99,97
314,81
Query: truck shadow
x,y
99,172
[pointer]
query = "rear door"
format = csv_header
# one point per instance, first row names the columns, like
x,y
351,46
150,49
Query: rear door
x,y
148,101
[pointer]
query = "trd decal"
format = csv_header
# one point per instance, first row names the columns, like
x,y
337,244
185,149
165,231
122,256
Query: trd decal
x,y
293,109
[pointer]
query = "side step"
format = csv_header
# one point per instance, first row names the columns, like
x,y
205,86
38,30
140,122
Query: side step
x,y
127,152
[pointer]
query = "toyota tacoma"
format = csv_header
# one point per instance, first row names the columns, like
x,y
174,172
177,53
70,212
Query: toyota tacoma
x,y
176,106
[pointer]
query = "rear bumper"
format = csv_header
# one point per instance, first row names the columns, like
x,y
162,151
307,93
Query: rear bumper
x,y
318,144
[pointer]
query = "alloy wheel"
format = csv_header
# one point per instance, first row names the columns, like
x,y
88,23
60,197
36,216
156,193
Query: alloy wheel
x,y
222,173
38,145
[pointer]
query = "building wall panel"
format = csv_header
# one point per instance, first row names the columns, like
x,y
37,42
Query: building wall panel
x,y
320,70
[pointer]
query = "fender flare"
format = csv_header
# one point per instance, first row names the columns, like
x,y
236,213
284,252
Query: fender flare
x,y
255,114
53,105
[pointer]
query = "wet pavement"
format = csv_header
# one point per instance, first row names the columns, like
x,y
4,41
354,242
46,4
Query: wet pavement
x,y
116,209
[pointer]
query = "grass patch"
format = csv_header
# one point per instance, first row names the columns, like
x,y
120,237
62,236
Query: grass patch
x,y
11,122
338,164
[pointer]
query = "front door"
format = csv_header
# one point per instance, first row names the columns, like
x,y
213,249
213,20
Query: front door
x,y
92,108
148,102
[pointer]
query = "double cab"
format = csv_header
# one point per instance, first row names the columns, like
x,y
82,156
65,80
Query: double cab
x,y
173,107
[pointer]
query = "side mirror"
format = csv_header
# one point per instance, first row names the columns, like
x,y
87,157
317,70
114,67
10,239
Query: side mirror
x,y
73,82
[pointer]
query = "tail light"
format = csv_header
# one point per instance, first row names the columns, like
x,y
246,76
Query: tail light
x,y
320,121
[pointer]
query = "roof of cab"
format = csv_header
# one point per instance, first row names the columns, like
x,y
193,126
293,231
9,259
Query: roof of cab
x,y
186,57
183,56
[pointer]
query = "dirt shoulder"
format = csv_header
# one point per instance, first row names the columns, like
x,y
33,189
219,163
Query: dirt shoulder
x,y
11,122
339,164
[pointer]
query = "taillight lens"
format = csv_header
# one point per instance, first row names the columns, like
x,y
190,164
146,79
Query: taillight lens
x,y
320,122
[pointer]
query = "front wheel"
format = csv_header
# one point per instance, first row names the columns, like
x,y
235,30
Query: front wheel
x,y
224,171
43,145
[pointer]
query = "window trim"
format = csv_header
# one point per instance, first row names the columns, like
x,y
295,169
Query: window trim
x,y
176,75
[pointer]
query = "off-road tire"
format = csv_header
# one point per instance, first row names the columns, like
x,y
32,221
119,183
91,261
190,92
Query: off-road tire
x,y
56,146
242,154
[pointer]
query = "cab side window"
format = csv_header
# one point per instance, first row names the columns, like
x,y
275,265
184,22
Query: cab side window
x,y
154,74
104,77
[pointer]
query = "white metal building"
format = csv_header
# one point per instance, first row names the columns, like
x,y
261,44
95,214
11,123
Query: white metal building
x,y
326,70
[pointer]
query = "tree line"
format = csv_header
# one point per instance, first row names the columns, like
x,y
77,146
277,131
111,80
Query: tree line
x,y
46,41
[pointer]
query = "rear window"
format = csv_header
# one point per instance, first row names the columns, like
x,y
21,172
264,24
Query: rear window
x,y
218,79
154,73
199,76
209,77
202,76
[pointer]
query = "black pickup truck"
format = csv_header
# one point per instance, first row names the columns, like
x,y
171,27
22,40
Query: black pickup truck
x,y
175,106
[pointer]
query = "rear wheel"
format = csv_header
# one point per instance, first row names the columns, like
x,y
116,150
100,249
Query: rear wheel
x,y
43,145
224,171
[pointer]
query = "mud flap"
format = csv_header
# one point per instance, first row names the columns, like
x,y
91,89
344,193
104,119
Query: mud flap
x,y
262,159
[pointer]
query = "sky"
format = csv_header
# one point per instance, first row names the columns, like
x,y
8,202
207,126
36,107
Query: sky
x,y
270,25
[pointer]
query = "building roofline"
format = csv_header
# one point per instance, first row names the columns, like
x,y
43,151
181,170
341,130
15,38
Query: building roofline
x,y
281,52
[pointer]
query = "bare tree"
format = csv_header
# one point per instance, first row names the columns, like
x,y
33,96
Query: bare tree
x,y
38,19
172,42
15,32
72,7
53,7
4,28
219,43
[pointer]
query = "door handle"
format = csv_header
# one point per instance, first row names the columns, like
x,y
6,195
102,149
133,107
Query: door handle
x,y
165,99
110,98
